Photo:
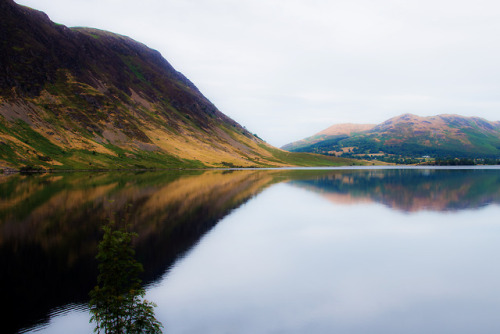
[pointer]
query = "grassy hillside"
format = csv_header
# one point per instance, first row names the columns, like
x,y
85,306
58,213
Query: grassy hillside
x,y
82,98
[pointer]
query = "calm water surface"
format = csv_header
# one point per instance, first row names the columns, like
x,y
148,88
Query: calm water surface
x,y
294,251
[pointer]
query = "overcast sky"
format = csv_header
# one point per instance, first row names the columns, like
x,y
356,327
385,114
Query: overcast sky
x,y
287,69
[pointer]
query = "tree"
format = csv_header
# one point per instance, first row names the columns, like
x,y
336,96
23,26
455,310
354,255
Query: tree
x,y
117,303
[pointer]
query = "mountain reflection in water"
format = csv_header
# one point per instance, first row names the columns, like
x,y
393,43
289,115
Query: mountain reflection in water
x,y
410,190
50,228
50,224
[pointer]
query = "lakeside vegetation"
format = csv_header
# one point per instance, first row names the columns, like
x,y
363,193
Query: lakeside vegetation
x,y
426,160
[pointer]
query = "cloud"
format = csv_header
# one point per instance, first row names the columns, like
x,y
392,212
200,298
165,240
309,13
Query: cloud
x,y
287,69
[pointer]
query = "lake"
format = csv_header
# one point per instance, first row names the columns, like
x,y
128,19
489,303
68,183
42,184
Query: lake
x,y
354,250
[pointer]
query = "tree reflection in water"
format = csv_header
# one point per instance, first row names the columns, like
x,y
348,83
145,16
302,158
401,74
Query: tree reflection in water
x,y
117,303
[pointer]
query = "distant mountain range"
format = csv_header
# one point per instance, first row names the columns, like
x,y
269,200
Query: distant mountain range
x,y
409,135
83,98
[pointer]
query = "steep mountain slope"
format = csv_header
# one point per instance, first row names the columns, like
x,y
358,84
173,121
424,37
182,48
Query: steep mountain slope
x,y
85,98
411,135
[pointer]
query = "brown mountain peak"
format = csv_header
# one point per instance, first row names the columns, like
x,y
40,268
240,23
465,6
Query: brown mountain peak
x,y
345,129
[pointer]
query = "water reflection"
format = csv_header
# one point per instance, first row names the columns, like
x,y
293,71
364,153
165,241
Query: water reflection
x,y
50,229
50,224
410,190
291,262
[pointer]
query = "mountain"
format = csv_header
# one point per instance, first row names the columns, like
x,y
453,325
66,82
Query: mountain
x,y
411,136
334,131
83,98
345,129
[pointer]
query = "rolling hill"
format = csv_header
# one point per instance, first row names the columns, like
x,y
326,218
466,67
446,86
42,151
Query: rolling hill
x,y
81,98
411,136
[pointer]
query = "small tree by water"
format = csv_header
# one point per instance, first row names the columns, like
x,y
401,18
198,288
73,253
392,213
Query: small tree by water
x,y
117,303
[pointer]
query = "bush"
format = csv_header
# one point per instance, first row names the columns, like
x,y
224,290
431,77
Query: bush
x,y
30,169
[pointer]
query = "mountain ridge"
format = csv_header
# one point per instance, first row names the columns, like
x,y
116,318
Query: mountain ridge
x,y
345,129
411,135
